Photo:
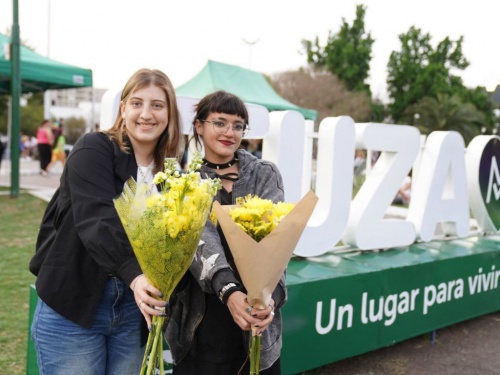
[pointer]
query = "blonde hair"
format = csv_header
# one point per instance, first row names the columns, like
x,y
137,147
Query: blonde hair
x,y
170,142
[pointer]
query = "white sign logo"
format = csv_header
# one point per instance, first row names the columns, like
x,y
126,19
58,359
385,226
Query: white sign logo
x,y
494,181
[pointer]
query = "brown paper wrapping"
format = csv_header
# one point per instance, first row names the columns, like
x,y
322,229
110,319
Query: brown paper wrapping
x,y
261,264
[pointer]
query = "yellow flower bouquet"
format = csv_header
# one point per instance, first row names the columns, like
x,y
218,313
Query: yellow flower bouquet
x,y
164,229
262,237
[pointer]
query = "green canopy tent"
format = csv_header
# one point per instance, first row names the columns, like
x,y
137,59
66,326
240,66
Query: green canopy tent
x,y
250,86
33,73
39,73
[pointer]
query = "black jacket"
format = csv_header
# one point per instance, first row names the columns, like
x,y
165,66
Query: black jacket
x,y
83,240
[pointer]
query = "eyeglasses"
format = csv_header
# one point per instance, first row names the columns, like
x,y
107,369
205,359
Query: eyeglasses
x,y
222,126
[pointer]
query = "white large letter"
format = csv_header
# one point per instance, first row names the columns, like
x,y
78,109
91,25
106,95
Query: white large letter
x,y
439,192
367,228
110,103
284,146
333,187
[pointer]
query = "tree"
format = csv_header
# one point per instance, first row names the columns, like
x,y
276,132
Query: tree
x,y
75,127
446,112
346,54
32,113
322,91
379,111
4,113
418,70
482,101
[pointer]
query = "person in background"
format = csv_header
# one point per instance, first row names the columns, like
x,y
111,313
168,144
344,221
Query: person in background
x,y
404,193
359,162
3,144
56,129
210,320
95,305
255,147
45,140
58,152
30,144
23,138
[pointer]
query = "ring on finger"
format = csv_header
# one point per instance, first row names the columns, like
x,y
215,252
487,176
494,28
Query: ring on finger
x,y
272,313
140,303
248,309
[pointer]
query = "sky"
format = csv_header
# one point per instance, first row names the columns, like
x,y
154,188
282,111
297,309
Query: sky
x,y
114,38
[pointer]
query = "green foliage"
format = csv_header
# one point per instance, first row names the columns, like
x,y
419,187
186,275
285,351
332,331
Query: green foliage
x,y
4,113
481,100
445,112
32,113
75,127
378,111
35,98
315,53
418,70
346,54
19,224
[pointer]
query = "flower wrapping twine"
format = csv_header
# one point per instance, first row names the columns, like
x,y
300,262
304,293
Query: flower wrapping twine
x,y
261,264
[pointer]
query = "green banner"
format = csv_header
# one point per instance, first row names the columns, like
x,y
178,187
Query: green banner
x,y
341,305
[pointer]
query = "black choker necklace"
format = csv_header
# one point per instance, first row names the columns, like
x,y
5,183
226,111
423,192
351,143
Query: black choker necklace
x,y
220,166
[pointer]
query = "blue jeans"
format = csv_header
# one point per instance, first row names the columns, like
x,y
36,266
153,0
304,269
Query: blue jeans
x,y
111,347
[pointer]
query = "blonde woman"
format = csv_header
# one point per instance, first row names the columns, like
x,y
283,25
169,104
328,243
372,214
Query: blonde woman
x,y
94,305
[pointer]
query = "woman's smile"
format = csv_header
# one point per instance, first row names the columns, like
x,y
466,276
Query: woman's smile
x,y
226,142
146,126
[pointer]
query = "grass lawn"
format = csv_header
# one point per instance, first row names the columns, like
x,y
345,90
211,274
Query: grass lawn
x,y
19,221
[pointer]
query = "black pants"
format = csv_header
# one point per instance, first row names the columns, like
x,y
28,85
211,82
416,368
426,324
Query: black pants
x,y
193,366
44,154
2,148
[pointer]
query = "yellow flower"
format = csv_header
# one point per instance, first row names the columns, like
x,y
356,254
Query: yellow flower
x,y
159,178
258,217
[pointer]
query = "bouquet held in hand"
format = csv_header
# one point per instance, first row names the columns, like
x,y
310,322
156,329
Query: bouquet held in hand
x,y
164,229
262,237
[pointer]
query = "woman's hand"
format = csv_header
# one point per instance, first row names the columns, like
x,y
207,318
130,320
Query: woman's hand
x,y
246,316
265,317
144,294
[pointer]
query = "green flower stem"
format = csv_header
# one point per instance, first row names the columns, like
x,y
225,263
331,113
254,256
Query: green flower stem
x,y
154,348
160,356
255,355
146,354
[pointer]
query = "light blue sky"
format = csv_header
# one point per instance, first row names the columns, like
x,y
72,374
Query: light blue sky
x,y
116,37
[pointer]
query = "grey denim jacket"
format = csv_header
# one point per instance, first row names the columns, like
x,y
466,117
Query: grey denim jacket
x,y
210,270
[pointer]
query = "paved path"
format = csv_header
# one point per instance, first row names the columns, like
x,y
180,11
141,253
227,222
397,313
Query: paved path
x,y
30,178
